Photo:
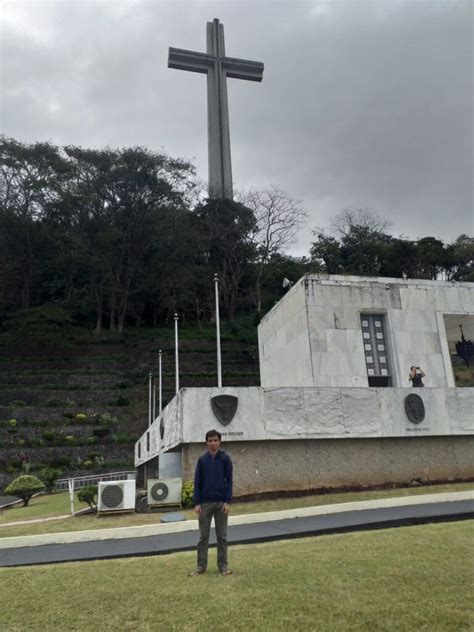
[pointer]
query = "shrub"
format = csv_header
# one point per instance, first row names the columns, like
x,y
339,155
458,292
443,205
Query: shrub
x,y
69,438
187,494
124,438
122,385
93,455
88,494
87,464
16,463
107,418
81,417
21,442
37,467
25,486
12,422
101,432
121,401
49,476
97,458
60,461
48,435
54,402
18,403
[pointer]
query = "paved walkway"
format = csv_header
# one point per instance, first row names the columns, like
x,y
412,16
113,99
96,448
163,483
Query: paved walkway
x,y
6,501
158,539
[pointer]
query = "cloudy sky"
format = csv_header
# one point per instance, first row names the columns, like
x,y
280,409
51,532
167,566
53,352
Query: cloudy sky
x,y
363,104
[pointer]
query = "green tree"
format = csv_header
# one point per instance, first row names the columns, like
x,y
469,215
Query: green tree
x,y
77,225
432,258
49,476
24,487
88,494
279,267
326,255
461,253
230,227
121,195
31,184
360,245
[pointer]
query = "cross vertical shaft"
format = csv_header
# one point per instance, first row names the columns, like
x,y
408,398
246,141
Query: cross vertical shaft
x,y
220,166
218,67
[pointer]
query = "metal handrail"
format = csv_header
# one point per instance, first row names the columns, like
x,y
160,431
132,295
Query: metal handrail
x,y
93,479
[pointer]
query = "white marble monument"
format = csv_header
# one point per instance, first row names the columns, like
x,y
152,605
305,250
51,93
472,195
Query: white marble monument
x,y
333,408
361,331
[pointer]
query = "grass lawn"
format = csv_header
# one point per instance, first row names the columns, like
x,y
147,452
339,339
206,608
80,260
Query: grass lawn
x,y
58,504
406,579
42,506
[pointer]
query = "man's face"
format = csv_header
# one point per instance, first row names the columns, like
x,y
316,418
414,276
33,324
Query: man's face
x,y
213,444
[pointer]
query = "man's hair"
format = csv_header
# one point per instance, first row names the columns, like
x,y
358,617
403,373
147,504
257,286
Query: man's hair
x,y
213,433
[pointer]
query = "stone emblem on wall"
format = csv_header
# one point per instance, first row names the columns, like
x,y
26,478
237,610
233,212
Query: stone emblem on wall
x,y
414,408
224,407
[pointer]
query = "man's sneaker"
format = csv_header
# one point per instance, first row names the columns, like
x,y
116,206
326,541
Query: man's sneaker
x,y
227,571
197,571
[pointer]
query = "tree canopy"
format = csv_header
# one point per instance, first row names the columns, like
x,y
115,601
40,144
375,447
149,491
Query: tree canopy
x,y
359,243
107,238
120,236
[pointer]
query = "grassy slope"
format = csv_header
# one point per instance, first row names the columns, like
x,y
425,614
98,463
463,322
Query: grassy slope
x,y
58,504
412,578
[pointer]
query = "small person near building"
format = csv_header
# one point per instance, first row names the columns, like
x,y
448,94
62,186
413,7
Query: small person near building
x,y
416,376
212,497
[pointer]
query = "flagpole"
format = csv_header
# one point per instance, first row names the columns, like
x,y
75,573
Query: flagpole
x,y
176,352
160,386
218,333
150,380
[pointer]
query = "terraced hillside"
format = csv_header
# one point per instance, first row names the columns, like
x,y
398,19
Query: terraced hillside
x,y
79,404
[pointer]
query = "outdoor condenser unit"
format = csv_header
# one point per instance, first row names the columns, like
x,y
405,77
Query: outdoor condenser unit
x,y
163,492
116,496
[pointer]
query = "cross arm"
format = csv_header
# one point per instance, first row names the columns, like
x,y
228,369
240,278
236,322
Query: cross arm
x,y
189,60
243,69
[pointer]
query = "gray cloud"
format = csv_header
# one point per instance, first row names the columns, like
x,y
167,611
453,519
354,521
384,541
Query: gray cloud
x,y
363,104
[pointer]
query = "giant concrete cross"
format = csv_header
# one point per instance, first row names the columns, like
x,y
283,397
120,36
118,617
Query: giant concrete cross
x,y
218,67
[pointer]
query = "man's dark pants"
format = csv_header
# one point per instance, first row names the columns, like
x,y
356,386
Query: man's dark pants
x,y
208,510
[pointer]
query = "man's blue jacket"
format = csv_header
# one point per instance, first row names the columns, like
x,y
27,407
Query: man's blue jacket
x,y
213,479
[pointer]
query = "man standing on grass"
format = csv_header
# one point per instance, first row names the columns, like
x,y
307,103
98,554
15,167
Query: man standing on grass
x,y
212,496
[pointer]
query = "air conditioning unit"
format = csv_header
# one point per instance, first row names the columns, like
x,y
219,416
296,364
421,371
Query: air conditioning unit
x,y
116,496
163,492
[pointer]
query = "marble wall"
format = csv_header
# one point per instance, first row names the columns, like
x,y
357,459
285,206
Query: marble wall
x,y
308,413
313,336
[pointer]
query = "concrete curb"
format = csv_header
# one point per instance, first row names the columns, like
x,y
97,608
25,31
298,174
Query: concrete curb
x,y
192,525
